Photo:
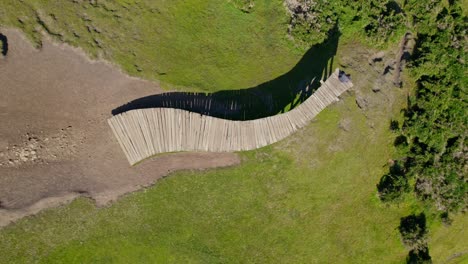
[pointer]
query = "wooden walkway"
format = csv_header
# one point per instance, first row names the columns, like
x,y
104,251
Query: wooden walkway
x,y
143,133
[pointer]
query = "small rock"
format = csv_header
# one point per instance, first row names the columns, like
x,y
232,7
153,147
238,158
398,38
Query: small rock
x,y
361,102
345,125
97,30
376,57
389,66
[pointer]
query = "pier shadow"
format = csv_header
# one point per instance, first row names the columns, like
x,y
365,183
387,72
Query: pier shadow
x,y
270,98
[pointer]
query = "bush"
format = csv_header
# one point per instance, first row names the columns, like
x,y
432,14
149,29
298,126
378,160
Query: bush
x,y
245,5
311,21
413,231
419,256
393,184
414,235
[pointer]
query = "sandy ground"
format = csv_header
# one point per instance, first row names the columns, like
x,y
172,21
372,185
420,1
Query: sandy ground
x,y
55,144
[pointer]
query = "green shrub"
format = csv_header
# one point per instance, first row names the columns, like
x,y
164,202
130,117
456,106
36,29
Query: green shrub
x,y
414,235
393,184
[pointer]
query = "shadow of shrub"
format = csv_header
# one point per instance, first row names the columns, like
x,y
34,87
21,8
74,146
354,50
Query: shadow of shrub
x,y
3,45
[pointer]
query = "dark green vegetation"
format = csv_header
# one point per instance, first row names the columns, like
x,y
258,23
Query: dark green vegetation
x,y
433,156
414,235
433,152
436,120
308,198
378,22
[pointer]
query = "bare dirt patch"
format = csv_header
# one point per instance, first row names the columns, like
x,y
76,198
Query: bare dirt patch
x,y
55,144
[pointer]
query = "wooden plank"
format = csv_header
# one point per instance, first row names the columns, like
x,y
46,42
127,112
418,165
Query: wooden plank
x,y
161,131
271,129
280,123
180,135
197,134
209,136
239,126
164,130
143,122
149,123
301,116
157,132
222,145
131,135
212,139
220,135
167,128
131,129
315,108
197,120
126,136
230,135
204,144
120,138
325,89
256,125
138,117
172,126
151,130
265,132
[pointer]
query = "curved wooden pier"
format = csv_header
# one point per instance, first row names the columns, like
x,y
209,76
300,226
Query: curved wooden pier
x,y
143,133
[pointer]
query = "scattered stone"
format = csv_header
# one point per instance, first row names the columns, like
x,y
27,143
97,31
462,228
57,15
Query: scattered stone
x,y
98,42
22,20
376,57
361,102
389,66
85,17
33,150
97,30
345,125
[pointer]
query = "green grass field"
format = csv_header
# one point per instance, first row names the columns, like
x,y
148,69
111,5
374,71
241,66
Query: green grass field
x,y
308,199
218,46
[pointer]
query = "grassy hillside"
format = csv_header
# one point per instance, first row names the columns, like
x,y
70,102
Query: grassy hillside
x,y
309,198
198,44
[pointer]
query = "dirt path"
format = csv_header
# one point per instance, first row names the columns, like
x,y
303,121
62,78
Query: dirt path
x,y
55,143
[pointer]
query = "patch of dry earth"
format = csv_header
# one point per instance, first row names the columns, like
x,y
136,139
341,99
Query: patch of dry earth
x,y
55,144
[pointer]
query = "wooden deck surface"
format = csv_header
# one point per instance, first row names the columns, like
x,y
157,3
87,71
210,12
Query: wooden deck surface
x,y
143,133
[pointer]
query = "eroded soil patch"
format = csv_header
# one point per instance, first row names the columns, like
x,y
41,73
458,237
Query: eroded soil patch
x,y
54,139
